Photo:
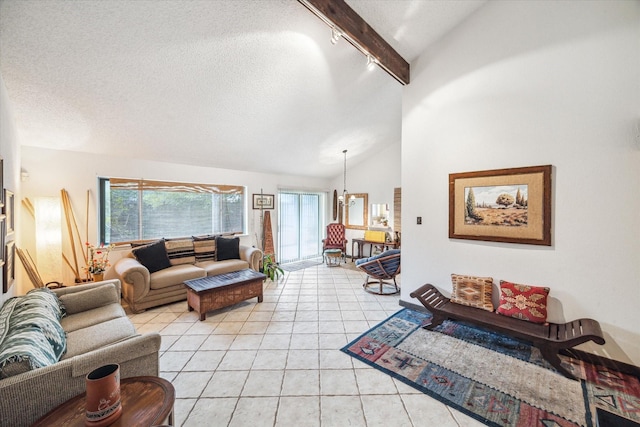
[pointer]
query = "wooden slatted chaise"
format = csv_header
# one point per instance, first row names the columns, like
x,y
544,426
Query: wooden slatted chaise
x,y
550,338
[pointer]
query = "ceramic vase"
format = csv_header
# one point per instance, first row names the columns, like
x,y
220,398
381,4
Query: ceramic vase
x,y
103,396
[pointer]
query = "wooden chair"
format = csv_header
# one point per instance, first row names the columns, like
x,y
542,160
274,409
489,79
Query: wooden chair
x,y
381,270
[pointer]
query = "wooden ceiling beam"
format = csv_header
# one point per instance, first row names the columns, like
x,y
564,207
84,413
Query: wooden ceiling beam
x,y
354,29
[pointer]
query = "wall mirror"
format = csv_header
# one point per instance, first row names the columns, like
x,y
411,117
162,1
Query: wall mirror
x,y
379,214
357,212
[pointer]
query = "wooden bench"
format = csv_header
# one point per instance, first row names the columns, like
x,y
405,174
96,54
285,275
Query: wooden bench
x,y
550,338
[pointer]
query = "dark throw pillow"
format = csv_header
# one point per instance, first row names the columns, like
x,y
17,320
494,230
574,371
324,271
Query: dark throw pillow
x,y
227,248
153,256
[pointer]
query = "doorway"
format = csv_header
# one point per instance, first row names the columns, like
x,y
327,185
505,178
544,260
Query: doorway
x,y
301,215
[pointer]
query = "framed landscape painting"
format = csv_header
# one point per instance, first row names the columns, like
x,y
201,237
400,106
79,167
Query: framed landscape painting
x,y
502,205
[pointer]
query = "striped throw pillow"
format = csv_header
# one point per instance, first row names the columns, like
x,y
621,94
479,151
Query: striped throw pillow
x,y
180,251
205,248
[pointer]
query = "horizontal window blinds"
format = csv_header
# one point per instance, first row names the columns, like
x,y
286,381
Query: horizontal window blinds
x,y
182,187
299,225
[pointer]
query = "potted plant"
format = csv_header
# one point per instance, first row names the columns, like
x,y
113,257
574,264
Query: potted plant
x,y
270,267
97,260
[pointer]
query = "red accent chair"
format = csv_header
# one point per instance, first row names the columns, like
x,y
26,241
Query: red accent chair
x,y
335,239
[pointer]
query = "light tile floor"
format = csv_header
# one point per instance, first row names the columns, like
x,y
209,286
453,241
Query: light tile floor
x,y
277,363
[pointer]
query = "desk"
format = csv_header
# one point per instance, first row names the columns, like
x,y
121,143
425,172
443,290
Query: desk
x,y
362,242
146,401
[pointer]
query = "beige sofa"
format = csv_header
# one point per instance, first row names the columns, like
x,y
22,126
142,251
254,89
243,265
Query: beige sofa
x,y
98,332
190,258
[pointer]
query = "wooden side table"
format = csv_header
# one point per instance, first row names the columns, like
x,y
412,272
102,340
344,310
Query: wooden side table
x,y
146,401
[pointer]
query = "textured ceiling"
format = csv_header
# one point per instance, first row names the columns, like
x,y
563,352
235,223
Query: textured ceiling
x,y
238,84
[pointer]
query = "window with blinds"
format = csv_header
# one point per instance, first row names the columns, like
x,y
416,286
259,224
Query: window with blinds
x,y
135,209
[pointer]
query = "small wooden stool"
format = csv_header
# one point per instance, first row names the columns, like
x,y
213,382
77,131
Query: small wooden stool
x,y
333,257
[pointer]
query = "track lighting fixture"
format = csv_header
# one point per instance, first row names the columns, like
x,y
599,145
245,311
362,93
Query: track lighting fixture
x,y
335,35
371,62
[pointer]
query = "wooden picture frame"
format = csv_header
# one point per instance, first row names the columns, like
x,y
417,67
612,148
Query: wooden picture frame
x,y
3,230
507,205
9,211
263,201
357,211
9,268
335,204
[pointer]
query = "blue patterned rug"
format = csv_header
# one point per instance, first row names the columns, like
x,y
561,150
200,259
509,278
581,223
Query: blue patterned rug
x,y
493,378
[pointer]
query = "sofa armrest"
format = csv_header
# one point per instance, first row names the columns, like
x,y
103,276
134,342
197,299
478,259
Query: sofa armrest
x,y
135,278
252,255
28,396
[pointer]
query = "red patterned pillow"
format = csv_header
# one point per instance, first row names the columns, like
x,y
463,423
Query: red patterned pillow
x,y
472,291
523,302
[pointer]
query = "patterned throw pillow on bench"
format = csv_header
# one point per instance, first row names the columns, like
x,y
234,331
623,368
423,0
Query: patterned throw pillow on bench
x,y
523,302
472,291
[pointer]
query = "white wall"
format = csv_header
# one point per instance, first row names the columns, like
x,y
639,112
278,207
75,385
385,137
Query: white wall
x,y
10,152
377,176
531,83
51,170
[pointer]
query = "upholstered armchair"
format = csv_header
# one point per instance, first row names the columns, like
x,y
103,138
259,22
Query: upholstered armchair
x,y
381,271
335,239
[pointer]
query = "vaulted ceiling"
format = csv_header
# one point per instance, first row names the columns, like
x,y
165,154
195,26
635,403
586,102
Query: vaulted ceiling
x,y
238,84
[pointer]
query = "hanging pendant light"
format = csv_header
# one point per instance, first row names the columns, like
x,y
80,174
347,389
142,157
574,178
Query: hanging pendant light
x,y
344,184
342,197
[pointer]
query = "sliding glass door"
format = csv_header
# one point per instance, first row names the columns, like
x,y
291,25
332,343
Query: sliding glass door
x,y
300,225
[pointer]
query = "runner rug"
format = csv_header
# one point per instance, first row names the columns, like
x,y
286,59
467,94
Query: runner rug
x,y
300,265
493,378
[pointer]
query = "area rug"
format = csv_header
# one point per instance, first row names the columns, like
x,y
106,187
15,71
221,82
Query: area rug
x,y
300,265
493,378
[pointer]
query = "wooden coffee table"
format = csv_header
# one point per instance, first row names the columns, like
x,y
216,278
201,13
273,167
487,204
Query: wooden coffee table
x,y
146,401
223,290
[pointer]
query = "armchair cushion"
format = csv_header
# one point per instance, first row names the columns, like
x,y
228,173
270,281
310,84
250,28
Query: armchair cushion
x,y
153,256
385,265
392,263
